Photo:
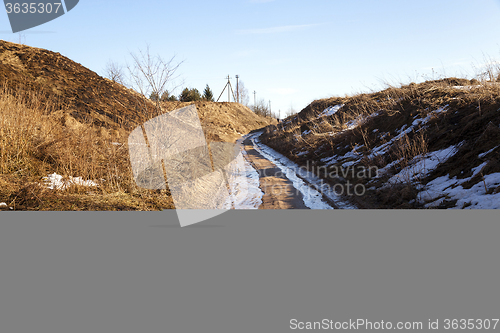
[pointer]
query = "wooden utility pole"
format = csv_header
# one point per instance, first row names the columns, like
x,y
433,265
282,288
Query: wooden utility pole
x,y
237,89
229,90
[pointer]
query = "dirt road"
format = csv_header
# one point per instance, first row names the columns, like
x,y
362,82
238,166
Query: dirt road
x,y
279,192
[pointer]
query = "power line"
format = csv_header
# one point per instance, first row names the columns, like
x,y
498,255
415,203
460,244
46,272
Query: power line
x,y
229,90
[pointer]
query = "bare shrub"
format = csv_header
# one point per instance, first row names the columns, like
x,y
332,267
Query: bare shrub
x,y
152,75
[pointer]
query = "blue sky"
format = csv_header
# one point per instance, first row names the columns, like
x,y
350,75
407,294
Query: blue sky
x,y
290,52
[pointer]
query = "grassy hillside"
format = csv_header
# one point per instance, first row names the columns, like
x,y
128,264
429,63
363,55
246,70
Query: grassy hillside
x,y
223,121
56,116
427,145
69,87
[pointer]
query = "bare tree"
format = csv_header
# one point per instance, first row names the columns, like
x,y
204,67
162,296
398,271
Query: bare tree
x,y
262,108
152,75
243,94
114,72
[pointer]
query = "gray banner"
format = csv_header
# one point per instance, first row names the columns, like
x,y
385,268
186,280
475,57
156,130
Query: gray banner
x,y
244,271
28,14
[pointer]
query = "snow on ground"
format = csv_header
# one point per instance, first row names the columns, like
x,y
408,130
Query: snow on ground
x,y
486,153
3,205
476,197
478,169
352,156
386,169
330,160
436,190
354,123
421,166
382,149
55,181
300,178
243,184
331,110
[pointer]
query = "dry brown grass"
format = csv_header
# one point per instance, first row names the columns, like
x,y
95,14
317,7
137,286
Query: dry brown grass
x,y
223,121
36,140
406,152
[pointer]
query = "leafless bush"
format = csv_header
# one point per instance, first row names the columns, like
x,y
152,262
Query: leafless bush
x,y
115,72
153,75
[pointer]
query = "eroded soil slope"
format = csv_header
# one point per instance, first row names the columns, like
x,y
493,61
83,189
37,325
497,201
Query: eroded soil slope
x,y
430,145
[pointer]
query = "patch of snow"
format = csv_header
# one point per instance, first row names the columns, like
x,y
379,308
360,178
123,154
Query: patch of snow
x,y
351,154
435,203
382,149
306,132
478,169
386,169
354,123
349,164
475,196
3,204
55,181
421,166
466,87
401,129
244,184
303,153
429,116
330,160
486,153
330,110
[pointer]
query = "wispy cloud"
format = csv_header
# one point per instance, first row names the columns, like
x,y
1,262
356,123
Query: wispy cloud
x,y
275,30
261,1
